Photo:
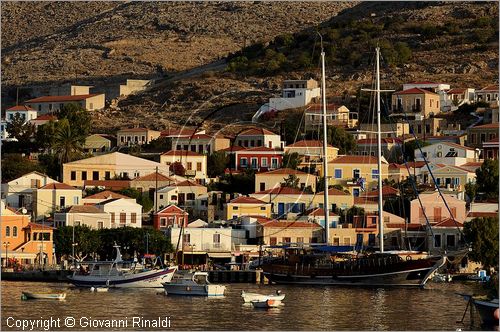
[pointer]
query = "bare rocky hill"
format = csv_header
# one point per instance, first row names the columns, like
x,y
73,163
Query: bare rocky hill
x,y
53,41
450,42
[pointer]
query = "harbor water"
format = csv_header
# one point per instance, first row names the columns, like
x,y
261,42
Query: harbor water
x,y
437,307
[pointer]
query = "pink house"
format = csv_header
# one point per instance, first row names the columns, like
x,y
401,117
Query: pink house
x,y
435,209
169,216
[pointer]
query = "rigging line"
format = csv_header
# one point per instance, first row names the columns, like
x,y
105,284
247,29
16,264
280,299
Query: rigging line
x,y
434,179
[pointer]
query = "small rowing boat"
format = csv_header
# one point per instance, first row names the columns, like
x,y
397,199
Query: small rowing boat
x,y
249,297
43,296
99,289
266,304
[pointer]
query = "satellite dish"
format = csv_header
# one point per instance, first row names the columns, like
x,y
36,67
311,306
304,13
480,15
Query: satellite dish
x,y
24,211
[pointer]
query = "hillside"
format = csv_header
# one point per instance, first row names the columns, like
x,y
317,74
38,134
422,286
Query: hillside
x,y
456,43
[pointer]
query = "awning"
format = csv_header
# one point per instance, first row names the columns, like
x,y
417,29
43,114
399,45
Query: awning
x,y
219,254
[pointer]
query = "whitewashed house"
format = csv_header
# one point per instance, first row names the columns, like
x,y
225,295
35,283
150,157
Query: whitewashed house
x,y
18,193
123,212
447,153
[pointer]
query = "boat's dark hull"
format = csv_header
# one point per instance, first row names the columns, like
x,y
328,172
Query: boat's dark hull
x,y
407,274
486,311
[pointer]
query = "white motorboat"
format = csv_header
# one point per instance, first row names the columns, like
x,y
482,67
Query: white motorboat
x,y
196,284
266,303
249,297
43,296
99,289
120,273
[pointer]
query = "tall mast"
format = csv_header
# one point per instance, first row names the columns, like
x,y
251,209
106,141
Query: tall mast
x,y
379,161
325,155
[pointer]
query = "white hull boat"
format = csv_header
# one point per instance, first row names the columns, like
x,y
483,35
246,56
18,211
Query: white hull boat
x,y
266,304
43,296
249,297
121,274
195,284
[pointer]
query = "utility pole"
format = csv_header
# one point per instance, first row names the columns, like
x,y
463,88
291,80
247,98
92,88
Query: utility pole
x,y
156,191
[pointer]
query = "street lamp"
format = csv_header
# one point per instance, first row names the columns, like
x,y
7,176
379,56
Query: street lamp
x,y
192,254
6,244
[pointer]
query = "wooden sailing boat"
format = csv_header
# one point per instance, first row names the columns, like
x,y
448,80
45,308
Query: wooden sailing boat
x,y
305,266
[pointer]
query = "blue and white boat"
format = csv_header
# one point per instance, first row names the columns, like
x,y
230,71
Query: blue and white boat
x,y
121,274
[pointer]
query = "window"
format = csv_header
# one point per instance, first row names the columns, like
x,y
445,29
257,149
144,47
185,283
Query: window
x,y
7,231
163,221
14,231
186,238
73,175
243,162
133,218
338,173
286,240
274,162
123,218
189,166
198,167
270,144
347,241
374,173
454,212
84,175
263,208
95,175
450,240
62,201
262,186
143,138
216,238
356,173
437,240
178,147
190,197
259,142
254,162
355,192
107,175
39,108
336,241
161,196
100,225
273,241
235,208
76,200
193,148
112,217
300,240
263,162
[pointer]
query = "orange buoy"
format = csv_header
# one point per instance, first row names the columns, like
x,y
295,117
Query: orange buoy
x,y
496,314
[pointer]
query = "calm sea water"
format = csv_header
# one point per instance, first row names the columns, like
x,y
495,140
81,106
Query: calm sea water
x,y
305,308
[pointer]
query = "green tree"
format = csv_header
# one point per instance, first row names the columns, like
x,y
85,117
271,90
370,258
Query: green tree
x,y
142,199
68,143
45,135
292,181
348,216
470,191
78,117
20,129
482,233
341,139
160,144
411,146
217,162
487,178
15,165
243,183
87,240
177,168
291,160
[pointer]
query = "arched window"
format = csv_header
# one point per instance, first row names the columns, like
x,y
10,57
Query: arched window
x,y
14,231
7,231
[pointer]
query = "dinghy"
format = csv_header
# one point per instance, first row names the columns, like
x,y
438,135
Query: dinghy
x,y
266,304
249,297
43,296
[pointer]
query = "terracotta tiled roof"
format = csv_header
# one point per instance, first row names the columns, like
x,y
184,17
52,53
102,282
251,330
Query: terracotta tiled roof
x,y
188,183
21,108
373,141
199,136
409,226
448,223
46,117
455,145
482,214
351,159
286,171
307,144
247,200
261,149
490,88
180,153
58,186
318,212
365,200
486,126
83,209
456,91
33,225
281,191
472,164
334,192
48,99
233,148
414,91
106,194
423,82
255,131
134,130
288,224
172,209
154,177
179,132
319,107
386,191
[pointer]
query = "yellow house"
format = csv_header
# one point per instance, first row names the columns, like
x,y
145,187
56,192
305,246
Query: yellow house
x,y
348,170
416,101
53,104
275,179
247,206
311,152
194,163
99,143
53,197
450,177
284,200
337,199
274,232
107,167
136,136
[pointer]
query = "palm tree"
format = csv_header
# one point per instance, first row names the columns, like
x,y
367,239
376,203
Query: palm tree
x,y
68,143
